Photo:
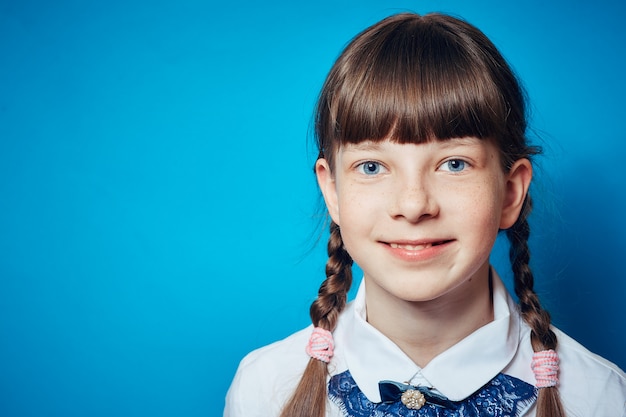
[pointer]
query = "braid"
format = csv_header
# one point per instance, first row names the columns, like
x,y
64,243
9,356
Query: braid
x,y
331,298
542,337
309,399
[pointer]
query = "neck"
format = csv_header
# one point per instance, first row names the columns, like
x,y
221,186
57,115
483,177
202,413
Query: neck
x,y
424,329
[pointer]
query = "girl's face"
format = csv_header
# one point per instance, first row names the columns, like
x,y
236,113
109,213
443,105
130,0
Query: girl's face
x,y
421,219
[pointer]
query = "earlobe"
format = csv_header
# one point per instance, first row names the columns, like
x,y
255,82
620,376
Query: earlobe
x,y
327,185
516,189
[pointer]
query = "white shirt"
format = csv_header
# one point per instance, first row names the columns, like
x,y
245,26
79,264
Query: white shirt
x,y
589,385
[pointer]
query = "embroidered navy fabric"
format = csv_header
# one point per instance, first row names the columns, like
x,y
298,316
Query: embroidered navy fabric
x,y
503,396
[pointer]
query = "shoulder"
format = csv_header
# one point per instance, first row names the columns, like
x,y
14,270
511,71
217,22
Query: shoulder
x,y
573,352
287,351
266,377
589,384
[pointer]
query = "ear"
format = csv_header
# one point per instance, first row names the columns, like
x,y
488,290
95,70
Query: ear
x,y
516,188
328,186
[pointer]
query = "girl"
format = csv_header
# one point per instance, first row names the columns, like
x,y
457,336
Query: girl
x,y
423,159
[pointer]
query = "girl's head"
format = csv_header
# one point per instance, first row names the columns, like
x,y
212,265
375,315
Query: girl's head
x,y
417,79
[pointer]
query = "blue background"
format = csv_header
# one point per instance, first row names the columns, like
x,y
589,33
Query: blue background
x,y
158,212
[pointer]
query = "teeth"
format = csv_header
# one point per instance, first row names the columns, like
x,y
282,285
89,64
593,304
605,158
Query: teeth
x,y
410,247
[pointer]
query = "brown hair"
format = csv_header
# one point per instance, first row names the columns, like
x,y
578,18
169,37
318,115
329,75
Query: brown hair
x,y
417,78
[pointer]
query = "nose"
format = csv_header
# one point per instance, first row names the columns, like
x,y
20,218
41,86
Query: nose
x,y
413,200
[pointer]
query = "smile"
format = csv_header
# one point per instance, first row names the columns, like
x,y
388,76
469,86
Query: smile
x,y
415,247
416,251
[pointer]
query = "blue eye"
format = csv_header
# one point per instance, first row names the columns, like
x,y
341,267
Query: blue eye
x,y
370,168
454,165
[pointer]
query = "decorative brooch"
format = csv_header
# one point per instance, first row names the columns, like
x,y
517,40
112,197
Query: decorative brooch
x,y
413,399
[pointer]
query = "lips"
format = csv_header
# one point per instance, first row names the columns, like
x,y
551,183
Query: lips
x,y
418,251
416,246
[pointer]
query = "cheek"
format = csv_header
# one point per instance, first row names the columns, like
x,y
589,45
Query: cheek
x,y
359,211
355,198
351,207
480,208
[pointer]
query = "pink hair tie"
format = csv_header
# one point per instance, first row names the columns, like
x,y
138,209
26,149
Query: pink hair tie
x,y
321,345
545,365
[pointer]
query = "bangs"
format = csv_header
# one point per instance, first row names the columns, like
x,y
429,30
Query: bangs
x,y
414,80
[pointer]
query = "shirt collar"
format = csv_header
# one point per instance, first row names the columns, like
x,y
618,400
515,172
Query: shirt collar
x,y
456,373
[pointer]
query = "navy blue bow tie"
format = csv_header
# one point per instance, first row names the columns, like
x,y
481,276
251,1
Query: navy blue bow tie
x,y
414,397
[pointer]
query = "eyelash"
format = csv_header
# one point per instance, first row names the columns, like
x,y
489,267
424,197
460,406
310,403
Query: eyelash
x,y
464,165
361,168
